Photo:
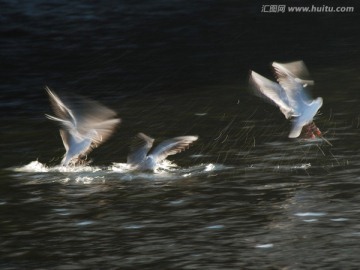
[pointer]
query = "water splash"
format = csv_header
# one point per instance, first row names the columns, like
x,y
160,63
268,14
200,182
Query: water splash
x,y
33,166
88,179
117,171
36,166
120,167
209,167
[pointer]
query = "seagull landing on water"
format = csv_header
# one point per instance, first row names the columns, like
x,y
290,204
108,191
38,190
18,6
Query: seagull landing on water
x,y
84,126
291,95
141,158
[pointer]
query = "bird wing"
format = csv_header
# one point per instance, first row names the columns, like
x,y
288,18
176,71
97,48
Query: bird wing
x,y
172,147
102,131
139,148
93,115
272,91
288,76
65,136
295,79
83,118
85,124
63,114
296,69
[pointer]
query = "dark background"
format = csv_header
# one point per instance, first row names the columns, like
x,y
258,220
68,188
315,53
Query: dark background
x,y
117,52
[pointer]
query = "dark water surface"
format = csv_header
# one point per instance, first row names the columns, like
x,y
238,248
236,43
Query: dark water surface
x,y
243,197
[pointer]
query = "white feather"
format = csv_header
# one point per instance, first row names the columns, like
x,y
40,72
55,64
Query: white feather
x,y
289,94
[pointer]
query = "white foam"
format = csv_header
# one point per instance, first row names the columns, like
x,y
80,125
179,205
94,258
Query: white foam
x,y
120,167
36,166
209,167
303,166
89,179
165,165
33,166
122,171
74,169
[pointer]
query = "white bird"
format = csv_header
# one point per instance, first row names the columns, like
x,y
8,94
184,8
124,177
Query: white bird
x,y
84,126
141,158
290,94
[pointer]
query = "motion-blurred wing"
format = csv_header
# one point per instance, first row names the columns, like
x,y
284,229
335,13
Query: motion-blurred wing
x,y
93,115
84,117
294,79
272,92
139,148
172,147
86,124
102,131
65,136
63,114
296,69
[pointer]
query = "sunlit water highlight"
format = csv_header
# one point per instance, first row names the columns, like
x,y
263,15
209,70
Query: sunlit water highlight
x,y
121,171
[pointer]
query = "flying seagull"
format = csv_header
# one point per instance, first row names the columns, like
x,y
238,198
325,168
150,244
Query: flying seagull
x,y
291,95
84,125
141,158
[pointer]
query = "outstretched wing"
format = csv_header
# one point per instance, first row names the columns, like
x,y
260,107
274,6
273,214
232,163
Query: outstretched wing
x,y
289,76
102,131
84,117
139,148
272,92
295,79
172,147
296,69
63,114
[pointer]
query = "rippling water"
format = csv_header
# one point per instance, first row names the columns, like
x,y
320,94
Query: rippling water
x,y
242,197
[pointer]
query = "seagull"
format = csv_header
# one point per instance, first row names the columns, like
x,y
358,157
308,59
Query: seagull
x,y
291,95
141,158
84,126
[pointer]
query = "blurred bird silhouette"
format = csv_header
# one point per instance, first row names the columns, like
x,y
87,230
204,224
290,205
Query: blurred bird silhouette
x,y
291,95
85,125
141,158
